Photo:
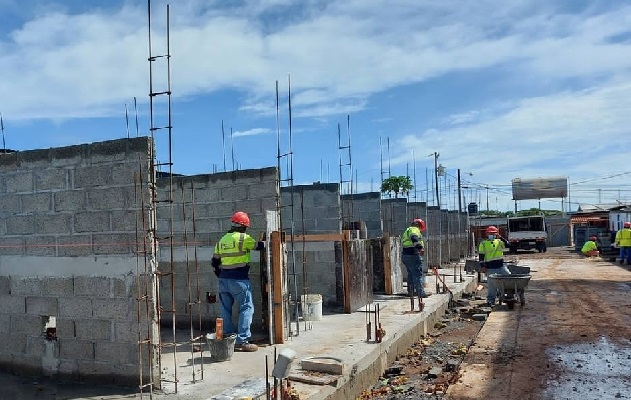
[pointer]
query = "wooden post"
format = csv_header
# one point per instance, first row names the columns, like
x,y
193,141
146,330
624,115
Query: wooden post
x,y
277,280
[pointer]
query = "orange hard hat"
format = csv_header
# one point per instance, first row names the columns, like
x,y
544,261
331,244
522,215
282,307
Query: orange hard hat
x,y
627,225
420,223
241,218
492,230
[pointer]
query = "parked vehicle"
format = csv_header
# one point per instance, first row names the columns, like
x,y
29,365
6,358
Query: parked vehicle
x,y
527,233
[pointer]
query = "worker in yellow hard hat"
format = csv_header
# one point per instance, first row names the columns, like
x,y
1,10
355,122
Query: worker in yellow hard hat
x,y
623,240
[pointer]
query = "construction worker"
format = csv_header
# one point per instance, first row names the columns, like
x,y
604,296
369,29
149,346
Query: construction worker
x,y
412,256
590,248
231,264
623,240
491,255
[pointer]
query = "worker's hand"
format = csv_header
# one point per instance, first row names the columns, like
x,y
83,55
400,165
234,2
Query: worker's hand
x,y
421,252
217,271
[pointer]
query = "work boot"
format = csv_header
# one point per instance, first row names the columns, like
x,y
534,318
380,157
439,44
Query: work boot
x,y
247,347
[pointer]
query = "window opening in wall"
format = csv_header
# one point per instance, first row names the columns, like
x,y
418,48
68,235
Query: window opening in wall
x,y
50,327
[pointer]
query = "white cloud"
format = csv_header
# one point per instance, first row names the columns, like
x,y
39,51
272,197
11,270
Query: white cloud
x,y
252,132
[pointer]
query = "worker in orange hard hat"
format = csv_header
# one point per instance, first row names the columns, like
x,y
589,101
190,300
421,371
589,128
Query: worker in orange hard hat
x,y
623,240
231,264
412,257
590,248
491,254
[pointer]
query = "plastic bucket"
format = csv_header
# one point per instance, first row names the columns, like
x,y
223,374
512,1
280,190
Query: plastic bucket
x,y
221,349
312,307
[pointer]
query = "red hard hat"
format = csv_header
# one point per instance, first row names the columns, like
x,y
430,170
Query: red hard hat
x,y
492,230
593,238
627,225
241,218
420,223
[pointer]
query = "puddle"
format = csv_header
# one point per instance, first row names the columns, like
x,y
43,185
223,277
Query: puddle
x,y
598,371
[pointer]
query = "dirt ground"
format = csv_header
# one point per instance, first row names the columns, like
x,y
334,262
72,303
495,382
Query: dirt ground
x,y
571,340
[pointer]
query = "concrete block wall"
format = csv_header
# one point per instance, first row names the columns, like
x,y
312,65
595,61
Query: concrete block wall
x,y
68,278
211,199
315,268
394,215
365,207
316,208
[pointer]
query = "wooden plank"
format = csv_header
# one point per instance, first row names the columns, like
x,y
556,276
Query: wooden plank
x,y
320,237
387,266
277,281
314,378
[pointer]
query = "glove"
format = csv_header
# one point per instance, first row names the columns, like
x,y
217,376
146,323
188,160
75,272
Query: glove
x,y
260,246
217,271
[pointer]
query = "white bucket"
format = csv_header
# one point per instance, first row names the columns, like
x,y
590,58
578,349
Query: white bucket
x,y
312,307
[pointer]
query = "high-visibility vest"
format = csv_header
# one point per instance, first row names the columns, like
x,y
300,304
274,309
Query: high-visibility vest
x,y
406,237
623,237
492,249
234,249
589,246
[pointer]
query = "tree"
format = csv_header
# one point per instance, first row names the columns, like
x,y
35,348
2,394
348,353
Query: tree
x,y
396,185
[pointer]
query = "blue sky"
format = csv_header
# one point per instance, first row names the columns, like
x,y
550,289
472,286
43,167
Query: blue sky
x,y
526,89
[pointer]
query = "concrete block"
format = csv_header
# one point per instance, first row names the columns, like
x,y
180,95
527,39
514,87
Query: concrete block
x,y
68,155
92,176
74,245
36,346
71,200
118,309
53,224
93,287
19,182
222,210
41,306
13,343
10,204
130,220
50,179
5,285
58,286
117,352
123,173
262,189
69,369
5,323
75,307
20,225
12,304
329,365
201,195
108,152
27,324
207,225
26,286
73,349
93,329
105,373
65,328
128,331
120,243
40,246
99,221
111,198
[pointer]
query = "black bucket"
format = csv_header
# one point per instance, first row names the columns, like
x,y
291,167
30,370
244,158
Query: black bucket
x,y
221,349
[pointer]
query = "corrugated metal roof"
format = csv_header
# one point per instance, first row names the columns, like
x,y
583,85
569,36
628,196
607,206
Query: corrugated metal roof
x,y
585,219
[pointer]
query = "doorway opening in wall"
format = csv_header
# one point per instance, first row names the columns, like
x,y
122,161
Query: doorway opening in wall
x,y
49,324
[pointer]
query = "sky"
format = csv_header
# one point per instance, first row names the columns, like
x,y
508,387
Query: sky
x,y
496,90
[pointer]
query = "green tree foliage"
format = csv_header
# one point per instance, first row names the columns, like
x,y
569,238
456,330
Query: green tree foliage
x,y
396,185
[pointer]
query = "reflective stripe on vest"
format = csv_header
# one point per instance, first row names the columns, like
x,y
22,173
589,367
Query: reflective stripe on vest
x,y
232,251
406,238
492,249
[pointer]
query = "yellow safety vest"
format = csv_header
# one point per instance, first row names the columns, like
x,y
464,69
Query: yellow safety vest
x,y
492,249
234,249
623,237
406,237
589,246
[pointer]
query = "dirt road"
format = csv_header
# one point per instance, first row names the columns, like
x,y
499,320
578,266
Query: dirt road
x,y
570,341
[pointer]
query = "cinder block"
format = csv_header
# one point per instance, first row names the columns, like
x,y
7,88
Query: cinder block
x,y
9,204
71,200
51,179
42,306
27,324
13,343
93,287
123,173
5,285
120,243
130,221
262,189
19,182
117,352
93,329
68,155
105,373
12,304
118,309
53,224
74,245
36,346
111,198
73,349
323,364
5,324
26,286
40,246
65,328
58,286
20,225
75,307
238,192
108,152
92,176
99,221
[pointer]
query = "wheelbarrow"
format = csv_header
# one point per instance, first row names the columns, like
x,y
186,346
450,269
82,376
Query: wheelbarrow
x,y
510,287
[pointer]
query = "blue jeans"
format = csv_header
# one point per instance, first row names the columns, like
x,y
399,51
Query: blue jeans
x,y
625,254
492,290
414,266
239,291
